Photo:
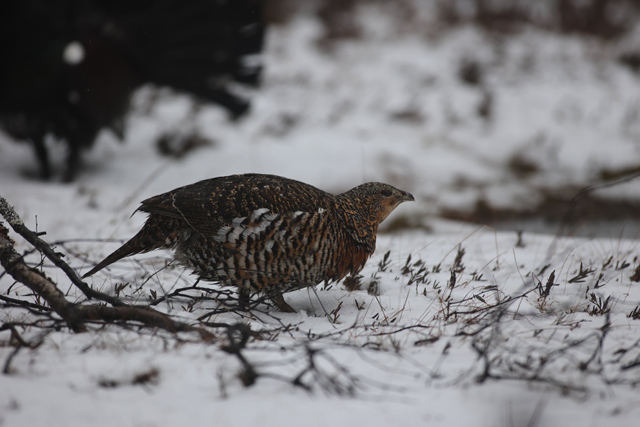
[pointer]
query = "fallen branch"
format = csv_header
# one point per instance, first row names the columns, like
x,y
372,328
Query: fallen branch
x,y
14,220
76,315
13,262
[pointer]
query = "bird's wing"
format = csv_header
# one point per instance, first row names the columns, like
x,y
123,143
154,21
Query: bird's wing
x,y
211,204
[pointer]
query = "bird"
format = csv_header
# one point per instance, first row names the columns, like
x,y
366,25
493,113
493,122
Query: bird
x,y
70,67
264,234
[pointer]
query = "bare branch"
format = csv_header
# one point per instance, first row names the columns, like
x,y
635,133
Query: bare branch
x,y
34,280
76,315
9,213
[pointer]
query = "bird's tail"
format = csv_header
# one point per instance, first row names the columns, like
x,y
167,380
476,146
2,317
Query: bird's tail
x,y
149,238
132,247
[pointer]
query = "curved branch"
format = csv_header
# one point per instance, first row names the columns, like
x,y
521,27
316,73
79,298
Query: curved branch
x,y
13,262
76,315
9,213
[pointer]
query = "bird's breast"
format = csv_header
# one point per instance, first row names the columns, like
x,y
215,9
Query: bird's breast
x,y
350,259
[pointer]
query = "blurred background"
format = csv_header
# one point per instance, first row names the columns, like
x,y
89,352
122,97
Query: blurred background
x,y
497,112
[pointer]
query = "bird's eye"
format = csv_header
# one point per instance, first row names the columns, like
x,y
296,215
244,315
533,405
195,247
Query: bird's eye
x,y
385,193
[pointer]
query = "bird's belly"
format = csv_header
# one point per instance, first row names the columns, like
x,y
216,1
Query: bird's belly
x,y
276,254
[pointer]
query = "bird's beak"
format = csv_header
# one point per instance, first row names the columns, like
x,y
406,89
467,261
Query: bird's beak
x,y
406,197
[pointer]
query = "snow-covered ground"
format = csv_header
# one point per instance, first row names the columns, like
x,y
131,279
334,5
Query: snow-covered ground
x,y
404,351
409,348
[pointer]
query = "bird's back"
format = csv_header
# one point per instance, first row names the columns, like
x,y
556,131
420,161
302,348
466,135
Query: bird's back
x,y
259,232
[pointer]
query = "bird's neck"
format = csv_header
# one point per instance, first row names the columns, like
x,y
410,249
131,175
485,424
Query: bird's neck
x,y
360,223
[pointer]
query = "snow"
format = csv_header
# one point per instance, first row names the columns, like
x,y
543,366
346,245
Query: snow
x,y
389,108
404,377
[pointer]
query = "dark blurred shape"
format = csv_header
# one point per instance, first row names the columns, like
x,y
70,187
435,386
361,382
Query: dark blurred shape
x,y
607,19
68,67
470,72
338,18
631,60
281,11
178,145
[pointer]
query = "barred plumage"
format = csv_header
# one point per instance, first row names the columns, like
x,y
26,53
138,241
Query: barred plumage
x,y
264,233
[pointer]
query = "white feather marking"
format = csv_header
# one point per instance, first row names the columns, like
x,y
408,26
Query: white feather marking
x,y
237,221
268,246
222,233
260,226
233,236
249,231
258,212
320,210
268,219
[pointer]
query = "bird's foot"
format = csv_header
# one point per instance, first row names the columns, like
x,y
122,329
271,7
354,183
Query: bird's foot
x,y
279,302
244,299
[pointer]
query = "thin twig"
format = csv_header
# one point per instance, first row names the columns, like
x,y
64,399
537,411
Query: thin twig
x,y
9,213
76,315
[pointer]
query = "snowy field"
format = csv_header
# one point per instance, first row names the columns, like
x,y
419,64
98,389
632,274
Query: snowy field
x,y
478,328
498,348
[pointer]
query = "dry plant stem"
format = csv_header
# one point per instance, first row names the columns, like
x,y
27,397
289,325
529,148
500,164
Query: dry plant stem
x,y
7,211
76,315
25,304
16,267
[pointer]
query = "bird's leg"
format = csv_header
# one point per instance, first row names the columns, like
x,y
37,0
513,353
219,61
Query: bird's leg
x,y
244,299
279,302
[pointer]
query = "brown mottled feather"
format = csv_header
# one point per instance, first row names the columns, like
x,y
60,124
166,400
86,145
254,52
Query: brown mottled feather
x,y
264,233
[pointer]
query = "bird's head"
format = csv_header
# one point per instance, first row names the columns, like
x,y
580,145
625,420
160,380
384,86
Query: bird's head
x,y
366,206
379,199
